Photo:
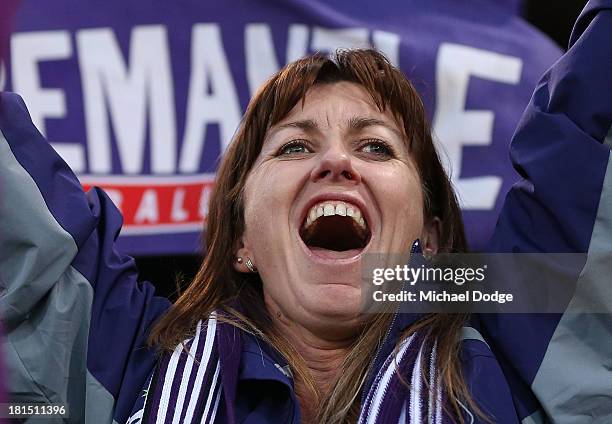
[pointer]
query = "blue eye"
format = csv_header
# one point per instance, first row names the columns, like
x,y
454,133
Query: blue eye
x,y
294,147
377,147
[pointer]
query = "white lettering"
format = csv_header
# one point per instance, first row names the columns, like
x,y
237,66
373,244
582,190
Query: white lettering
x,y
204,201
212,95
388,43
325,39
27,50
378,296
131,92
261,60
456,127
148,209
178,212
297,43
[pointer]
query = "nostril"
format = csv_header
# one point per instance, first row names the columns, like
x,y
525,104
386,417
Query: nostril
x,y
347,174
324,174
336,170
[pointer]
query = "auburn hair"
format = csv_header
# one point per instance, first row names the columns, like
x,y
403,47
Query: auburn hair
x,y
218,286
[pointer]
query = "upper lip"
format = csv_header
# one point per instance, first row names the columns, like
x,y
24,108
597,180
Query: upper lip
x,y
342,197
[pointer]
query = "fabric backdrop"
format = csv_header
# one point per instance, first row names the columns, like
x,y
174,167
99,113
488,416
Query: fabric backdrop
x,y
143,97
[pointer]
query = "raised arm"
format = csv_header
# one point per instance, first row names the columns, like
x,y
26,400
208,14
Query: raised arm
x,y
75,316
562,363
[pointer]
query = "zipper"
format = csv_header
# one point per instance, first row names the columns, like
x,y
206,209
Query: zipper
x,y
416,247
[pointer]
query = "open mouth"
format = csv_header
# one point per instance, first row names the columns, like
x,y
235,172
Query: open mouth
x,y
336,226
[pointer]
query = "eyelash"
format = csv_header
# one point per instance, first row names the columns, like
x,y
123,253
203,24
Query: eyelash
x,y
375,141
293,143
363,143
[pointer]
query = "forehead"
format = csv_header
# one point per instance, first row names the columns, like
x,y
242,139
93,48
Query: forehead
x,y
336,104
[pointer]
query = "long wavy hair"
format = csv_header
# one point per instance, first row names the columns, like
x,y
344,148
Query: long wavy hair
x,y
217,285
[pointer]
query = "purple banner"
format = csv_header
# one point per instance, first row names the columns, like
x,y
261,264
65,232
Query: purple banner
x,y
142,97
7,13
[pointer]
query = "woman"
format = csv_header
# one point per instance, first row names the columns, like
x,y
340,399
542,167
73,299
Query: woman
x,y
333,160
335,137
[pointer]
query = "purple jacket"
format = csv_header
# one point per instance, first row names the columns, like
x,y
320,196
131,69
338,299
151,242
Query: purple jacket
x,y
71,299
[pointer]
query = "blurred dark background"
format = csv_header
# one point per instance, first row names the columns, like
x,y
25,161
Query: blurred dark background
x,y
553,17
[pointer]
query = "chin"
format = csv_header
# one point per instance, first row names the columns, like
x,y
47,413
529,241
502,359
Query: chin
x,y
337,301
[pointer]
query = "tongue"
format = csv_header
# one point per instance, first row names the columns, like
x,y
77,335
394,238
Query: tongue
x,y
334,254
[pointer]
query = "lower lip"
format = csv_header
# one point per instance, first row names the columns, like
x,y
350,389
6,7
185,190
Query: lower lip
x,y
333,254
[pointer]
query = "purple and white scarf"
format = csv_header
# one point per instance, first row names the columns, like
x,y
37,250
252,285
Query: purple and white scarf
x,y
186,386
416,396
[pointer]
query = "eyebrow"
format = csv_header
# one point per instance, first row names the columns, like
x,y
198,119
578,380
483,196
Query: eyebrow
x,y
307,125
355,124
360,123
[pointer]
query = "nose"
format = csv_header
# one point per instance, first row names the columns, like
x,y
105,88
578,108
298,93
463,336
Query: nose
x,y
336,166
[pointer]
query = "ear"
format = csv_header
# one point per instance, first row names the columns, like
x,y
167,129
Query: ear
x,y
430,237
242,252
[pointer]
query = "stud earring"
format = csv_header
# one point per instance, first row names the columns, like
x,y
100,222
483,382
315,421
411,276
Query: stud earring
x,y
239,259
250,266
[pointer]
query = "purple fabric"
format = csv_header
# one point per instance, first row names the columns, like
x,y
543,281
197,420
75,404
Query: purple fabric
x,y
199,351
171,380
390,411
557,149
513,6
156,389
396,395
7,13
180,367
230,349
421,28
208,388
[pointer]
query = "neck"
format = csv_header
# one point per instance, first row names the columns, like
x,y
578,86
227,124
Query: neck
x,y
322,356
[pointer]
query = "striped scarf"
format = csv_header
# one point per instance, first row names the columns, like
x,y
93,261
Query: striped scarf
x,y
186,386
406,388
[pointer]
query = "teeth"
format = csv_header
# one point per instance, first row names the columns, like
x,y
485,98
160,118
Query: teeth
x,y
312,215
335,208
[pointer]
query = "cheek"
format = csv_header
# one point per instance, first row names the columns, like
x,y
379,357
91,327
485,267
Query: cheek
x,y
269,194
400,197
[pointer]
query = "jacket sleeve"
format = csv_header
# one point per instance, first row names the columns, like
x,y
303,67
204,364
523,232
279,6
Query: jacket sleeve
x,y
560,365
75,315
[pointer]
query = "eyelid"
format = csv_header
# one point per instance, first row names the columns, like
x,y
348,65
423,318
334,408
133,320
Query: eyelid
x,y
364,142
296,141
